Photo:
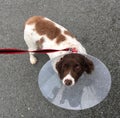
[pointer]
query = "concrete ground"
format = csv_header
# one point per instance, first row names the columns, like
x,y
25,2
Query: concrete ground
x,y
96,23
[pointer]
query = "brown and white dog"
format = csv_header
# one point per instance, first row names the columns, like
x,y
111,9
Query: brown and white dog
x,y
42,33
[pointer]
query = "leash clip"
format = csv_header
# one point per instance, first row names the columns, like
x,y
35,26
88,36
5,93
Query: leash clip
x,y
73,50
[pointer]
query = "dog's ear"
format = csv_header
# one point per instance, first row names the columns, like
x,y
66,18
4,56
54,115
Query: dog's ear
x,y
88,65
59,65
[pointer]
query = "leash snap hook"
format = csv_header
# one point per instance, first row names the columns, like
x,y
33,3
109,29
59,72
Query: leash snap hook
x,y
73,50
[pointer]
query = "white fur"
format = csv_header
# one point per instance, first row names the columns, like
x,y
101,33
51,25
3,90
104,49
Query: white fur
x,y
69,77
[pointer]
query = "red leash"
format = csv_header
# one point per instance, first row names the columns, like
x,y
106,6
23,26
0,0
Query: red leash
x,y
43,51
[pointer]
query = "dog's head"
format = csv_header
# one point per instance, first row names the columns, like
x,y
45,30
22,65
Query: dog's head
x,y
72,66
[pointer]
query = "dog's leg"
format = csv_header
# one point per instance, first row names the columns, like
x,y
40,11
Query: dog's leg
x,y
31,46
33,59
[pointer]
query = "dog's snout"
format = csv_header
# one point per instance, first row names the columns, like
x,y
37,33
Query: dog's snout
x,y
68,82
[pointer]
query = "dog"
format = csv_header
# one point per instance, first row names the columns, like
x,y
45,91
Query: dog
x,y
42,33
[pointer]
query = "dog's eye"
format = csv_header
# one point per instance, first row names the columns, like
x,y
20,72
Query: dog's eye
x,y
77,67
66,65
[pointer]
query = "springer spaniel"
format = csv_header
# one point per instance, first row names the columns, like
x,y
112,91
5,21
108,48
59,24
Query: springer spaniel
x,y
42,33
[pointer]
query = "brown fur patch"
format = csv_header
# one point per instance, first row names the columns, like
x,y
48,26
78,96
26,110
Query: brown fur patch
x,y
44,27
68,33
60,38
40,42
33,19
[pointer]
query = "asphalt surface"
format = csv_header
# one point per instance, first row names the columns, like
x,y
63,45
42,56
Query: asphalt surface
x,y
96,24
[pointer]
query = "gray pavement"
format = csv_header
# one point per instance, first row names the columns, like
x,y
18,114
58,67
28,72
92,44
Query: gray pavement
x,y
96,23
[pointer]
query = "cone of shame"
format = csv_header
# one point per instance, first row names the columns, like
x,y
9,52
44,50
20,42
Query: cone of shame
x,y
89,90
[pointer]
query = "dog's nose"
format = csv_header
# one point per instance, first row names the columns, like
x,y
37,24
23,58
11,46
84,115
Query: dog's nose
x,y
68,82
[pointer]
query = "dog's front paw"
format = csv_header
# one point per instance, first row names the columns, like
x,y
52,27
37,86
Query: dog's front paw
x,y
33,60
